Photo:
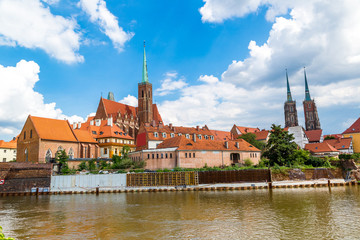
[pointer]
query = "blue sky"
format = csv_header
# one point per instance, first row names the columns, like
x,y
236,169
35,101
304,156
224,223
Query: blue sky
x,y
210,62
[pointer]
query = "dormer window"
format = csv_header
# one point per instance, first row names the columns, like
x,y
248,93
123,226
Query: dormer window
x,y
101,133
212,137
93,132
164,135
156,134
199,136
172,135
179,134
206,137
187,136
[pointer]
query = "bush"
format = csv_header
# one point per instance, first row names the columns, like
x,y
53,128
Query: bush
x,y
2,236
82,166
248,162
104,165
91,165
139,164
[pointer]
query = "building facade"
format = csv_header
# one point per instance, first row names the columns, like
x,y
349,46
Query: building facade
x,y
354,133
8,150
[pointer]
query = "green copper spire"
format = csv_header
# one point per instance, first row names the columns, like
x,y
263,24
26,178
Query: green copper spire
x,y
289,98
144,73
307,92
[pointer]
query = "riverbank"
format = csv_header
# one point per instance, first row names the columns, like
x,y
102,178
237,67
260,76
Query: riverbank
x,y
202,187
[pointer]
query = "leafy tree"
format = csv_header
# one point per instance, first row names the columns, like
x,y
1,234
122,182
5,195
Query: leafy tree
x,y
91,165
251,138
299,157
2,235
329,137
280,147
125,152
82,166
62,158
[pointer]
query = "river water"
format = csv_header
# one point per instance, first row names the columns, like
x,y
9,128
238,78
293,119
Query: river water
x,y
311,213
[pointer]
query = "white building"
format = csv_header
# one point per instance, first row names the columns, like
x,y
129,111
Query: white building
x,y
299,134
7,151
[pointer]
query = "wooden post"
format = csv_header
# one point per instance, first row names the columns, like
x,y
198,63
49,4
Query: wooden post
x,y
97,191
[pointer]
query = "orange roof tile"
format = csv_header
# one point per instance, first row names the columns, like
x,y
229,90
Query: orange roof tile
x,y
12,144
314,135
354,128
320,147
203,131
84,136
262,135
221,135
53,129
340,143
247,129
113,107
183,143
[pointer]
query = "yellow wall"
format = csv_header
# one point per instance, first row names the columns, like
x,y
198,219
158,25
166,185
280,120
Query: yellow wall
x,y
355,141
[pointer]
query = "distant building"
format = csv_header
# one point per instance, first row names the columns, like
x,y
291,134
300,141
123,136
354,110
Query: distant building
x,y
196,153
322,150
291,117
236,131
354,132
41,138
129,118
111,139
299,134
310,111
8,150
315,136
150,137
221,135
344,145
262,136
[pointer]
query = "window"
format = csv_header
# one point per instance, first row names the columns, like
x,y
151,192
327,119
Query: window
x,y
148,156
309,105
48,155
187,136
155,134
31,133
170,155
4,159
179,134
71,153
172,135
193,155
199,136
164,135
212,137
185,155
157,155
206,137
4,150
152,156
24,135
93,132
26,155
101,133
166,156
105,150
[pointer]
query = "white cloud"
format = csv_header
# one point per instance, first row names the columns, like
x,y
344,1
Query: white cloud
x,y
51,2
18,98
130,100
108,23
170,84
29,24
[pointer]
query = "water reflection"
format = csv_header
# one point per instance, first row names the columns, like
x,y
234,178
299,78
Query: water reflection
x,y
259,214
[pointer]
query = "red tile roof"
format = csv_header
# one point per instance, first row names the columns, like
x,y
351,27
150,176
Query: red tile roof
x,y
354,128
247,129
53,129
320,147
262,135
11,145
84,136
221,135
183,143
340,143
203,131
314,135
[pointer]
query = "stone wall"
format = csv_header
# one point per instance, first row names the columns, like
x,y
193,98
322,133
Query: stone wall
x,y
21,177
306,174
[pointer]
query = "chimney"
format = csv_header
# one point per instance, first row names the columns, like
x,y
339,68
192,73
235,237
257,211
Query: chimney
x,y
74,126
237,145
92,122
79,125
170,125
227,144
110,121
197,128
194,136
161,124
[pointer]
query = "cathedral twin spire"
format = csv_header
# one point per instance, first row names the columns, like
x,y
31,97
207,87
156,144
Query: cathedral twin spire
x,y
144,72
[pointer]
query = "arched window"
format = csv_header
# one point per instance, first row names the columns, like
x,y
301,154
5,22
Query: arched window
x,y
71,153
26,155
48,155
60,148
149,94
142,93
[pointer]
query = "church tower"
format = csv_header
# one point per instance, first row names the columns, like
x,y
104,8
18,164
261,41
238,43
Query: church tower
x,y
145,110
291,118
310,111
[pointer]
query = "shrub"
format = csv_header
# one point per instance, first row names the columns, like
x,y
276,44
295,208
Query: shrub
x,y
91,165
82,166
248,162
104,165
2,235
139,164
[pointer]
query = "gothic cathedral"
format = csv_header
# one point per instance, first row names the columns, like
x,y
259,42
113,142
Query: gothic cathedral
x,y
291,118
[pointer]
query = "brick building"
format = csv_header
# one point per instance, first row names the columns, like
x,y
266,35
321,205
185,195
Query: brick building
x,y
41,138
236,131
193,152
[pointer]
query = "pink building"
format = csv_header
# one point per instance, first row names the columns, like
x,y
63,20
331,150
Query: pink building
x,y
195,153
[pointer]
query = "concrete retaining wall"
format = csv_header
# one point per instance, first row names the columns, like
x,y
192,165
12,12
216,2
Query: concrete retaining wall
x,y
87,182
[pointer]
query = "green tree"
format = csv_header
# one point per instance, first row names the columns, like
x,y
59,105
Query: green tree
x,y
2,235
329,137
251,138
62,158
125,152
280,147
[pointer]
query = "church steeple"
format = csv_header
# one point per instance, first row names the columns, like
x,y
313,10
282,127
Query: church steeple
x,y
289,98
144,72
307,92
